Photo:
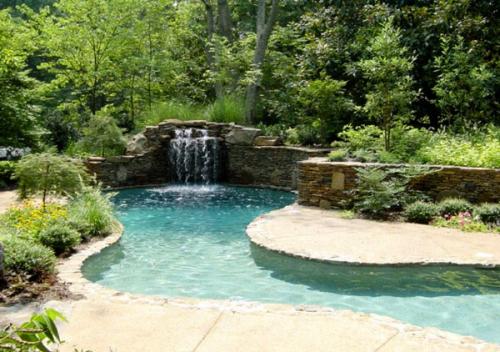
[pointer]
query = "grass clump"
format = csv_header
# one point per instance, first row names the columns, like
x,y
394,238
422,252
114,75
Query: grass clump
x,y
421,212
91,212
227,109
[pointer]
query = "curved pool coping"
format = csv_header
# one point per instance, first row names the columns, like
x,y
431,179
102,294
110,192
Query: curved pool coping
x,y
323,235
70,272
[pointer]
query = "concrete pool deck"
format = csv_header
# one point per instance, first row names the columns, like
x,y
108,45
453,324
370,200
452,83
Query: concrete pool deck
x,y
323,235
107,320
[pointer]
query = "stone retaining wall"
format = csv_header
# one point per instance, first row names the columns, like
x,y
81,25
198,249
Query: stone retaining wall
x,y
130,170
266,165
328,184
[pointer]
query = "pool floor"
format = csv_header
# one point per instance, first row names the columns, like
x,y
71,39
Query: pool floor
x,y
189,241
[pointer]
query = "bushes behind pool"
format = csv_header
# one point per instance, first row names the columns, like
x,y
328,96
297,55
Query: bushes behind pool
x,y
454,206
421,212
488,213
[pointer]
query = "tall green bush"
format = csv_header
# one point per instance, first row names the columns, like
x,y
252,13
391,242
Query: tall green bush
x,y
102,136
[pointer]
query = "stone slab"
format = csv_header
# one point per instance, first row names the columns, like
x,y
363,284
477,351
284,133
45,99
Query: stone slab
x,y
323,235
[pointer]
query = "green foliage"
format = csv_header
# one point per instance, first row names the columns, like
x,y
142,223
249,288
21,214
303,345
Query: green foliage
x,y
465,88
18,122
464,222
49,174
91,212
170,110
488,213
388,73
27,257
421,212
34,335
476,148
227,109
338,155
7,169
377,193
102,137
454,206
60,237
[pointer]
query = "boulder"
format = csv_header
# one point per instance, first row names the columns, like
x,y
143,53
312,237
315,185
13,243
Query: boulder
x,y
242,135
137,145
267,141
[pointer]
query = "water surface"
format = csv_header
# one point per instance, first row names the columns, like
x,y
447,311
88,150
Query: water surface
x,y
189,241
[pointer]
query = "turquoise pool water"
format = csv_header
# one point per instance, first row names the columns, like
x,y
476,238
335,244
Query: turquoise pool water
x,y
190,241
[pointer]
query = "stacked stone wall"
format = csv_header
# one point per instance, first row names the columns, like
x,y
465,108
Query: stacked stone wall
x,y
330,184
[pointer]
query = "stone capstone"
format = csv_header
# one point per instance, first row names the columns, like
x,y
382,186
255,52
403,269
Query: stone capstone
x,y
267,141
137,145
242,135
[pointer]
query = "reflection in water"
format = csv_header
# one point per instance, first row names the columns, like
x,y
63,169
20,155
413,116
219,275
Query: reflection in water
x,y
378,280
104,261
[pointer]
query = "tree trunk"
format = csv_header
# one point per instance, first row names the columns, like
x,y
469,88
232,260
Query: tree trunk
x,y
209,49
225,23
264,29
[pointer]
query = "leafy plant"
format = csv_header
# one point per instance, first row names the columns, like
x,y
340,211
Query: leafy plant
x,y
60,237
33,335
388,73
6,173
454,206
27,257
421,212
49,174
338,155
488,213
463,221
377,193
28,219
91,212
102,136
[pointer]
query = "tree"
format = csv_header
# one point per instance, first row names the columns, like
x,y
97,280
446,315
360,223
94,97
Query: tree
x,y
49,174
265,26
387,71
18,112
102,136
465,88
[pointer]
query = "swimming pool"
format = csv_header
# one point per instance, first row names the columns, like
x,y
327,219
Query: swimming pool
x,y
189,241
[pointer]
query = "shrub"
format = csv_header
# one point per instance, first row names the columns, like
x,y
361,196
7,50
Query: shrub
x,y
453,206
49,174
102,136
364,155
421,212
29,219
362,138
7,169
338,155
60,237
308,135
488,213
27,257
91,212
376,193
227,109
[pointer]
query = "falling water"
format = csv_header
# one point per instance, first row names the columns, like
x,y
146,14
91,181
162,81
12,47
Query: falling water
x,y
194,156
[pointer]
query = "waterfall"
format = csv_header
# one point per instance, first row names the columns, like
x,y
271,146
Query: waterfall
x,y
194,156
